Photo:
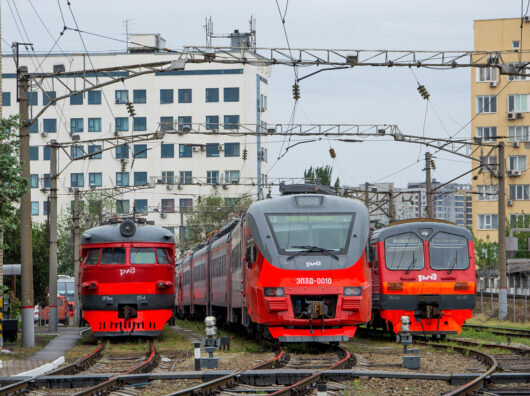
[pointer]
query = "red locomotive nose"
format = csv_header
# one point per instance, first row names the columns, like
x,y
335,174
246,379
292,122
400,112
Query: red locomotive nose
x,y
89,285
164,284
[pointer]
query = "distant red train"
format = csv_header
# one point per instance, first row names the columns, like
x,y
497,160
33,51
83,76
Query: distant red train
x,y
293,268
423,269
127,278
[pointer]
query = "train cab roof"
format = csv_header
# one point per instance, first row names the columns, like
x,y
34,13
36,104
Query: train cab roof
x,y
424,228
127,231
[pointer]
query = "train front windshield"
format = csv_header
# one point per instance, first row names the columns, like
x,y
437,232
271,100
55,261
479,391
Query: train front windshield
x,y
295,232
448,252
404,252
65,289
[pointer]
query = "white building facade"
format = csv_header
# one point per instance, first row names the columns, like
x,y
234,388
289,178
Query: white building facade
x,y
163,175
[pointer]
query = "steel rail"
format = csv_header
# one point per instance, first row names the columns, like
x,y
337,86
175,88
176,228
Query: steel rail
x,y
115,382
476,383
229,380
300,386
72,368
500,330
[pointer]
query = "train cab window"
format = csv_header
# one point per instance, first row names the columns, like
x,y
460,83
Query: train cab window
x,y
162,256
112,256
404,252
448,252
143,256
92,257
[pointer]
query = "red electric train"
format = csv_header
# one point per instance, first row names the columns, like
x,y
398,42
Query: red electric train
x,y
423,269
292,268
127,278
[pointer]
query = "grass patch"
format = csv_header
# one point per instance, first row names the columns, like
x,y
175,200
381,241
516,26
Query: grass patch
x,y
170,342
485,320
22,353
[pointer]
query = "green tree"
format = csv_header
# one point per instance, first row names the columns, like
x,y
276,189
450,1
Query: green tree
x,y
486,253
522,221
320,175
211,213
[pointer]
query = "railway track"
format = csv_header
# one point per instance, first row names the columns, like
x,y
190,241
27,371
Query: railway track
x,y
508,332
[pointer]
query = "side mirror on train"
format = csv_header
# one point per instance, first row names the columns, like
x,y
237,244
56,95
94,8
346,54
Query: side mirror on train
x,y
371,256
248,257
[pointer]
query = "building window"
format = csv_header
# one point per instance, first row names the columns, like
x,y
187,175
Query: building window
x,y
168,177
33,153
46,153
94,148
140,206
122,151
77,180
46,180
212,95
520,220
231,149
184,95
122,179
76,99
49,125
488,134
519,192
122,124
185,204
140,178
263,103
33,181
517,103
140,151
263,154
76,151
95,180
76,125
231,122
94,125
121,96
34,127
517,67
47,97
139,96
212,149
232,176
231,94
139,124
45,208
517,162
518,133
6,98
516,44
167,150
166,124
212,177
185,151
33,98
488,222
122,206
488,163
485,74
94,97
184,121
185,177
486,104
487,192
34,208
166,96
168,206
212,122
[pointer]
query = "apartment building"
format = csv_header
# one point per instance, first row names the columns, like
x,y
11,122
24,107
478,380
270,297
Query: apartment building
x,y
158,178
501,112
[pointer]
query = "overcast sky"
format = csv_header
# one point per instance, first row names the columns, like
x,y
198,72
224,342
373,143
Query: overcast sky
x,y
361,95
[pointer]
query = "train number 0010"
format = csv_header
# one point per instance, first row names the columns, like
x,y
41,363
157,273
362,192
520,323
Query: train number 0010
x,y
314,281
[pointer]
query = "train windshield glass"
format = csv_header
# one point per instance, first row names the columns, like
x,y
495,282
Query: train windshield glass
x,y
448,252
65,288
112,256
161,255
404,252
297,232
143,256
92,256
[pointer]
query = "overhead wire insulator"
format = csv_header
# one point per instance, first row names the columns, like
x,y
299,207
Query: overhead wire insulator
x,y
296,91
433,165
423,92
245,152
130,109
332,152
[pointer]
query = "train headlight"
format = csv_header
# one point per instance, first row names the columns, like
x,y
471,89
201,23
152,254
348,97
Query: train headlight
x,y
353,291
274,291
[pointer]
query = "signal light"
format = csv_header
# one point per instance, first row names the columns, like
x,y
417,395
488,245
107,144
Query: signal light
x,y
130,109
423,92
296,91
245,152
332,152
461,286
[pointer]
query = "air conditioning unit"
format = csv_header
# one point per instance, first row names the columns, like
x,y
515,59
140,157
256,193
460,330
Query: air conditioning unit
x,y
493,84
117,101
179,186
44,134
92,186
225,186
514,173
169,187
123,160
527,18
221,147
70,189
235,181
518,115
116,133
163,215
516,144
511,116
196,148
45,190
509,202
203,148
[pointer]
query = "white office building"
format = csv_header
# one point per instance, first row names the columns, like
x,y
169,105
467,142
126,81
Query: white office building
x,y
164,175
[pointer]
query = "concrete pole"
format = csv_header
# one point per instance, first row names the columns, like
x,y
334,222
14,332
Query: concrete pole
x,y
26,247
428,184
503,293
77,243
52,210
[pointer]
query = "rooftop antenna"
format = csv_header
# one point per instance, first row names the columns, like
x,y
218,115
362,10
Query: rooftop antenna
x,y
252,24
125,23
208,27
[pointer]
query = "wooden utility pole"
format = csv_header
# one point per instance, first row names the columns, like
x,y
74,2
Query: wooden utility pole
x,y
26,247
428,184
77,308
501,177
52,210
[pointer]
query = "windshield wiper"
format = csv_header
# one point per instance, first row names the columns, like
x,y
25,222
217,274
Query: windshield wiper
x,y
412,263
453,264
311,249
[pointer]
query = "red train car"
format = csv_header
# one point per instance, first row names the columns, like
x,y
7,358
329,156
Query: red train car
x,y
423,269
292,268
127,278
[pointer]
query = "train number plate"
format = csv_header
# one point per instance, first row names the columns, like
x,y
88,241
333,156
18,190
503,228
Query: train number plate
x,y
314,281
